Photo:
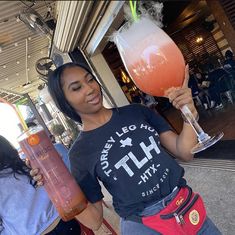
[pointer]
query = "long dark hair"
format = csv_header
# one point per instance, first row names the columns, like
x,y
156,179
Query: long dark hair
x,y
56,91
10,161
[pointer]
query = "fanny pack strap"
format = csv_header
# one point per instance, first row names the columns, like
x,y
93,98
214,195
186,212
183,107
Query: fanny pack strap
x,y
138,219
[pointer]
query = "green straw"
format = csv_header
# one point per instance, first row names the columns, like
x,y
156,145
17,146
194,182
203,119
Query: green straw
x,y
133,10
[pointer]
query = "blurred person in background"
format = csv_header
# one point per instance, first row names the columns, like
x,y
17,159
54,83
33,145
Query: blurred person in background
x,y
229,62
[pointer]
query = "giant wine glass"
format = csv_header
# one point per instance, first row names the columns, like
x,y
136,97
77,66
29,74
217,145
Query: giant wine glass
x,y
156,64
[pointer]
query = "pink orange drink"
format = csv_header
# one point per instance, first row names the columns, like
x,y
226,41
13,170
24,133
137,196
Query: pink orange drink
x,y
61,187
156,65
152,59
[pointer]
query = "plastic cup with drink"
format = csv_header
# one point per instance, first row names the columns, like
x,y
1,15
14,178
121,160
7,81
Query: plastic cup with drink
x,y
61,187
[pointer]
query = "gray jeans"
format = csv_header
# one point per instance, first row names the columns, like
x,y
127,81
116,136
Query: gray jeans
x,y
133,228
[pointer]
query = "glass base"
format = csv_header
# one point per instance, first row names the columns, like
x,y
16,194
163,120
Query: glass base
x,y
207,143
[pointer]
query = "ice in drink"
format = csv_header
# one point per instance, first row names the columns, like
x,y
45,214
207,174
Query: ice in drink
x,y
61,187
152,59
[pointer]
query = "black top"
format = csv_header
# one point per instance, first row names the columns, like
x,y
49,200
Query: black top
x,y
192,83
229,63
126,155
216,75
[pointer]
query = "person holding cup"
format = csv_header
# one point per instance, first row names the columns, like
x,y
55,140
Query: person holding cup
x,y
129,149
24,208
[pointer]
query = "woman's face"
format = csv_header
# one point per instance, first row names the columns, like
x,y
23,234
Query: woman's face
x,y
81,91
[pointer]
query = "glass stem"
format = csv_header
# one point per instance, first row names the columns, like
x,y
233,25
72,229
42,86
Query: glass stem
x,y
201,135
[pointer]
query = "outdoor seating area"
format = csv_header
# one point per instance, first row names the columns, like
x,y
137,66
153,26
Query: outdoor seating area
x,y
215,88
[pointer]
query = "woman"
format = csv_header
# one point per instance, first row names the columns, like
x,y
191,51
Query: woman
x,y
127,149
229,63
25,209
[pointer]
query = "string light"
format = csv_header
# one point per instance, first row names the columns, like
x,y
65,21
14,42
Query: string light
x,y
199,39
125,78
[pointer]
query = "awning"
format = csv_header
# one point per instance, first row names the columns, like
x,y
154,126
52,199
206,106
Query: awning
x,y
9,96
83,24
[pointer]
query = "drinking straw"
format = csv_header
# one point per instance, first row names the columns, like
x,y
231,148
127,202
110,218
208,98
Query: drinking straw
x,y
22,121
22,101
133,10
19,115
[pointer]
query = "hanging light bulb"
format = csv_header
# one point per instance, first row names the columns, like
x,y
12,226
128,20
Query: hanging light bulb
x,y
17,19
199,40
125,78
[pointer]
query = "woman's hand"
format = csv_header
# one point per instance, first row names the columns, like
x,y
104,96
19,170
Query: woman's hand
x,y
181,145
35,173
183,96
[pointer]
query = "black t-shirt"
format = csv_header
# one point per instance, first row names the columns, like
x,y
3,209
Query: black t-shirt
x,y
126,155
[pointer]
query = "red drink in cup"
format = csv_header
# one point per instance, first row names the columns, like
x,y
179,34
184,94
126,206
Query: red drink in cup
x,y
156,65
61,187
152,59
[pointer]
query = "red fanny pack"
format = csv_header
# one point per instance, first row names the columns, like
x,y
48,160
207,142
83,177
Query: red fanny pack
x,y
184,215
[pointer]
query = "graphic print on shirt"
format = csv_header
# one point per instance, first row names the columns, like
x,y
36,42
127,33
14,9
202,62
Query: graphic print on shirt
x,y
139,159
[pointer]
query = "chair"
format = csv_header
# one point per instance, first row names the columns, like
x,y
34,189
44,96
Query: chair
x,y
85,230
199,96
198,102
228,94
231,74
107,228
228,89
